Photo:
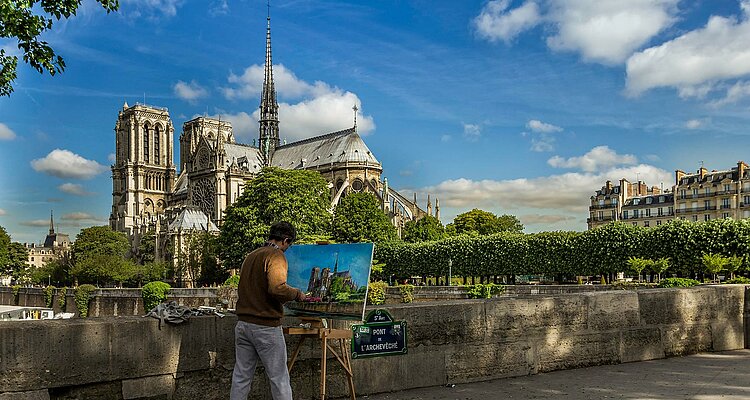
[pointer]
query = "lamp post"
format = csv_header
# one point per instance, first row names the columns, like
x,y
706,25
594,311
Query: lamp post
x,y
450,271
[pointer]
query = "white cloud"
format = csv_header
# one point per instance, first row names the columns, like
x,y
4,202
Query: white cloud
x,y
321,109
243,124
543,144
79,216
472,132
694,124
74,189
701,57
597,159
66,164
735,93
498,22
217,8
2,212
539,126
111,157
542,219
152,9
564,193
189,92
35,223
608,31
6,133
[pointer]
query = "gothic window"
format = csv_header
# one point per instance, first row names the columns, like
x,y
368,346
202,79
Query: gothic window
x,y
357,185
157,134
203,195
145,143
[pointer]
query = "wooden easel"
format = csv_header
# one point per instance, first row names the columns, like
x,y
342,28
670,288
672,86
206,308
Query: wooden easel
x,y
318,329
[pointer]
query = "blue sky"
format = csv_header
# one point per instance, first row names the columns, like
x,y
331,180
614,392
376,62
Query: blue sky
x,y
518,107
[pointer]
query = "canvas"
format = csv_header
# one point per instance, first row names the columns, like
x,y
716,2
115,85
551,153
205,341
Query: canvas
x,y
334,276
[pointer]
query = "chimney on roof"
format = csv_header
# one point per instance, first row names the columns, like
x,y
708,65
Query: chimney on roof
x,y
741,166
702,172
678,174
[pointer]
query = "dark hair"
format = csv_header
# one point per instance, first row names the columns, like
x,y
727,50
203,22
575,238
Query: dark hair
x,y
282,230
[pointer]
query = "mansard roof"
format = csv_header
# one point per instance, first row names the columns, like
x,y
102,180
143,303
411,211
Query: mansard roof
x,y
236,152
333,148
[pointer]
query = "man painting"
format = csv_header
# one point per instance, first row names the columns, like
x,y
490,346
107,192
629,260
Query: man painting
x,y
258,334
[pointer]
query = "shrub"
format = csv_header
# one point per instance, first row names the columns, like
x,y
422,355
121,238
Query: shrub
x,y
154,293
677,282
376,292
49,294
740,279
407,293
82,296
485,291
232,281
62,299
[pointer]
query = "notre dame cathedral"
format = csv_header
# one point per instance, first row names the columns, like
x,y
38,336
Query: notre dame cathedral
x,y
148,194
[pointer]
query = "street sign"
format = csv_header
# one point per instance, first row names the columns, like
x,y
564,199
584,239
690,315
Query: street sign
x,y
373,339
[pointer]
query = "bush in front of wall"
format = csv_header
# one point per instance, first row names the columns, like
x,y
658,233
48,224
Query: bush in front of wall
x,y
15,289
82,296
740,280
62,299
678,282
376,292
407,293
484,291
154,293
49,294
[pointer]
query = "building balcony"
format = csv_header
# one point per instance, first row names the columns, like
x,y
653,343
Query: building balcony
x,y
695,209
725,206
601,219
602,206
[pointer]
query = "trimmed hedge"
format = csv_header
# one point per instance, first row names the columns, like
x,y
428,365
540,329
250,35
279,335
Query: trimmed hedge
x,y
603,250
154,293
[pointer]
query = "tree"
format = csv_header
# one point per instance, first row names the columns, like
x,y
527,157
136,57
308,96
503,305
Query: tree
x,y
714,263
18,257
483,222
23,21
146,252
425,229
298,196
733,264
660,266
4,244
637,265
358,218
99,256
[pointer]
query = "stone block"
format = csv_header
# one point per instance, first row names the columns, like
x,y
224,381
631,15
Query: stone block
x,y
508,318
489,361
659,306
613,310
556,352
681,340
727,334
448,323
148,387
421,367
641,345
32,395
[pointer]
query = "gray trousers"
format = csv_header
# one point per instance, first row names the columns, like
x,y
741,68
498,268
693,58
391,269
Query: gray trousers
x,y
253,342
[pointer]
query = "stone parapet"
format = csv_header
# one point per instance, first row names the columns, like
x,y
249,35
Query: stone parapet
x,y
452,341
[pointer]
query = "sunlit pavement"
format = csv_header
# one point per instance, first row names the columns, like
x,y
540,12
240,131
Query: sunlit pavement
x,y
707,376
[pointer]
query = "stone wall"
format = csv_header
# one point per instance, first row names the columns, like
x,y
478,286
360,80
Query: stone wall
x,y
455,341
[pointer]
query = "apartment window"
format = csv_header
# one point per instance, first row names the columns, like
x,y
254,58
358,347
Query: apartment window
x,y
648,212
625,214
683,193
614,200
708,191
695,218
646,224
706,204
746,200
695,192
601,202
671,210
649,200
659,212
725,215
635,213
601,215
658,222
613,214
635,224
727,187
706,217
725,203
636,202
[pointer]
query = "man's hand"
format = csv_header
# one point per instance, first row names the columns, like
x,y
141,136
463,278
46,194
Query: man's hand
x,y
301,296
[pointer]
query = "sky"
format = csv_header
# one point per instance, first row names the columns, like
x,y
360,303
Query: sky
x,y
514,107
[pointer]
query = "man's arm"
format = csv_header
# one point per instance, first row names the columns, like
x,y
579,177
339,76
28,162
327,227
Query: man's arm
x,y
277,275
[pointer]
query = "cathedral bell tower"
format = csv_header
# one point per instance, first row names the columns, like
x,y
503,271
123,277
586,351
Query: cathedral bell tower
x,y
269,108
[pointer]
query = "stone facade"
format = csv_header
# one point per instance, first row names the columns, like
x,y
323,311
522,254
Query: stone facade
x,y
702,196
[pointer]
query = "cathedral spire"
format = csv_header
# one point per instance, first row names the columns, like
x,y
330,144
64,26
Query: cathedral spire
x,y
51,224
269,108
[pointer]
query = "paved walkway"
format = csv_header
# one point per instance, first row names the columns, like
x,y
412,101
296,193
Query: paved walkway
x,y
706,376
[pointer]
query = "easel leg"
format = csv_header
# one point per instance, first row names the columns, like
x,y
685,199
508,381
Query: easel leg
x,y
290,364
349,374
324,352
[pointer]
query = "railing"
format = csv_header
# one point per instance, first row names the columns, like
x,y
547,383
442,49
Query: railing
x,y
695,209
600,206
725,206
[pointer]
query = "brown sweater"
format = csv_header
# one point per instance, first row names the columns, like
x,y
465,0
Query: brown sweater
x,y
262,289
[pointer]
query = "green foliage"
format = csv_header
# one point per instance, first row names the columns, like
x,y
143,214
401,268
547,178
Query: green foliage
x,y
678,282
358,218
146,248
714,263
99,256
49,294
24,22
637,265
376,292
4,243
484,291
734,263
739,280
62,299
407,293
232,281
425,229
18,256
300,197
482,222
154,293
197,262
82,296
15,289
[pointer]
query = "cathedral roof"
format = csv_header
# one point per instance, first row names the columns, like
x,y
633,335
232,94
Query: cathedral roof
x,y
192,218
181,186
236,152
337,147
